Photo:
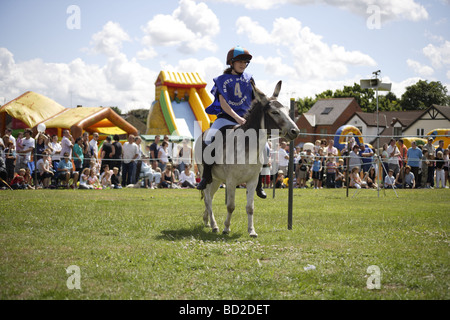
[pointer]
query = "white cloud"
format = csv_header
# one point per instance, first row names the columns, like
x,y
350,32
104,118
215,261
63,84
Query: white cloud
x,y
422,70
439,56
109,40
190,28
389,10
312,58
121,82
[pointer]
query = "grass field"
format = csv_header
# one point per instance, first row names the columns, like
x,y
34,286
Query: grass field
x,y
150,244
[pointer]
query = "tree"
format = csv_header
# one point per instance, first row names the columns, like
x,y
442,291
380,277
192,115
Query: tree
x,y
422,95
117,110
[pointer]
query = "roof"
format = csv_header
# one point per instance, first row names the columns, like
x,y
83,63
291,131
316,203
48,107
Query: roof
x,y
326,111
180,79
386,118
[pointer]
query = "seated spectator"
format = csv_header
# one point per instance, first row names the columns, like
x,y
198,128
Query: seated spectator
x,y
18,182
400,178
167,177
279,181
187,177
115,179
44,171
93,180
105,178
65,172
389,180
28,178
355,179
371,177
84,184
149,174
410,181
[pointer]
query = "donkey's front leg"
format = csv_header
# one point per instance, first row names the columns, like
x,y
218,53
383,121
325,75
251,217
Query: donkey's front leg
x,y
231,192
209,196
250,208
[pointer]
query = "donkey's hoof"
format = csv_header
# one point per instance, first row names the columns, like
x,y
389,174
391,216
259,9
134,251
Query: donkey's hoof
x,y
226,232
253,234
215,230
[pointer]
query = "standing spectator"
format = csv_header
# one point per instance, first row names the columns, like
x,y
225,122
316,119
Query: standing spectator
x,y
366,155
354,158
431,167
302,172
10,161
440,147
106,152
403,153
331,172
316,167
184,155
94,144
87,150
56,151
3,173
384,161
42,144
414,155
129,156
446,166
117,156
27,149
8,132
154,147
424,162
78,154
163,155
283,157
394,155
440,177
67,143
340,174
138,141
332,149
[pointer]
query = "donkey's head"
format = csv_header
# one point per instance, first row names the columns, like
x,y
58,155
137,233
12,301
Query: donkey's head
x,y
276,116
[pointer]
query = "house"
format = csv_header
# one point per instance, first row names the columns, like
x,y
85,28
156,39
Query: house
x,y
391,124
434,117
324,118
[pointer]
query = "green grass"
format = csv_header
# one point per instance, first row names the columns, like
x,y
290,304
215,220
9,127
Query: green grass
x,y
150,244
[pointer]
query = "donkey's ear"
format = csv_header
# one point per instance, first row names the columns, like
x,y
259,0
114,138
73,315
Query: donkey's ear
x,y
276,92
260,96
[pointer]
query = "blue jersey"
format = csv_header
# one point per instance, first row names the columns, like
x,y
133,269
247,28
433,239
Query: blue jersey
x,y
236,90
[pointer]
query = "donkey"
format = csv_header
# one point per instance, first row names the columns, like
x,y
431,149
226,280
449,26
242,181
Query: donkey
x,y
242,163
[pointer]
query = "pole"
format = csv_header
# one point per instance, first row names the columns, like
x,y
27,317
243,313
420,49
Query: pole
x,y
291,169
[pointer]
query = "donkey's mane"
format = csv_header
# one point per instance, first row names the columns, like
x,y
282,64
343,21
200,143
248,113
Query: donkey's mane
x,y
253,116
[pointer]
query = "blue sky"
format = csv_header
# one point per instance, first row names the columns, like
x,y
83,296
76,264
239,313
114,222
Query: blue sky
x,y
110,52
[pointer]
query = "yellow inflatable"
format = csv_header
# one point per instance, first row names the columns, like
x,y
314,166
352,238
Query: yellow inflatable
x,y
408,141
440,134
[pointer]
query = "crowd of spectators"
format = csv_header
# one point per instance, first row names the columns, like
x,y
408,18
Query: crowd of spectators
x,y
83,163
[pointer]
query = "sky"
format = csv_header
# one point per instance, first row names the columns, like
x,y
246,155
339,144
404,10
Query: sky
x,y
109,53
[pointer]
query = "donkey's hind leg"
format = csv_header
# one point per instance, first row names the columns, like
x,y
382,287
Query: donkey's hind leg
x,y
209,196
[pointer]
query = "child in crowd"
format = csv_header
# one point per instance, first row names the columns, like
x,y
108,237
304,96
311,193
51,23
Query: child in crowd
x,y
389,180
331,172
93,180
446,166
355,179
440,177
279,182
302,171
431,169
18,182
28,178
115,179
316,168
84,184
105,178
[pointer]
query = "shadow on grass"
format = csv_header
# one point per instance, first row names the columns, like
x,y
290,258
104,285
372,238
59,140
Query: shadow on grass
x,y
196,232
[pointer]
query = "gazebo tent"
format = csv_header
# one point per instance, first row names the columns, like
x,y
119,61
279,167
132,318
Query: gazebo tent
x,y
32,109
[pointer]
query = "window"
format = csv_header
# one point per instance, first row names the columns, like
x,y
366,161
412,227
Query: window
x,y
420,132
324,132
398,132
302,132
327,110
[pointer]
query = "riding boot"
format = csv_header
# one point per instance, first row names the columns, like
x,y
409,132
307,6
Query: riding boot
x,y
259,189
206,177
